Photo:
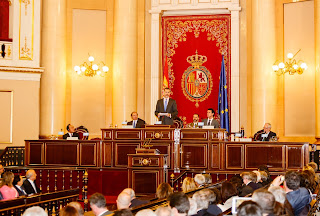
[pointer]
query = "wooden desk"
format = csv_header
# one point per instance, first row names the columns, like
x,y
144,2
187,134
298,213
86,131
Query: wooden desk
x,y
186,149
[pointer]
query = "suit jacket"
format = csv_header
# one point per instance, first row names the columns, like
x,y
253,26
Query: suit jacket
x,y
139,124
214,123
171,109
75,134
20,191
107,213
258,137
28,187
248,189
137,202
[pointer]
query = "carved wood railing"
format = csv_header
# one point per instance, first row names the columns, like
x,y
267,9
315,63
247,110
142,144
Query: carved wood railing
x,y
13,156
51,202
56,179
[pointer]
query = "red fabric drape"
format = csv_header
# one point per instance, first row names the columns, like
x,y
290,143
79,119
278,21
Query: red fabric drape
x,y
196,88
4,19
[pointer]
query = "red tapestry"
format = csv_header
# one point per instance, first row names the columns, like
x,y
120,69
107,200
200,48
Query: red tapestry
x,y
4,19
192,49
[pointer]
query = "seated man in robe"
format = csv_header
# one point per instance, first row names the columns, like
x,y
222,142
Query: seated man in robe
x,y
265,134
71,132
136,122
195,122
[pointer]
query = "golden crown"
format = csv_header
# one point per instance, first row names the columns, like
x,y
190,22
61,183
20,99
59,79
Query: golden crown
x,y
196,60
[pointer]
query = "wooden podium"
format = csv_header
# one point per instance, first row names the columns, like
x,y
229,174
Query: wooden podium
x,y
146,172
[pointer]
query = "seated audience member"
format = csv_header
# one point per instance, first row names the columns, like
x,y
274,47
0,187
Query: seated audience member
x,y
228,192
265,199
193,207
264,178
123,212
249,179
188,184
77,206
208,179
164,190
298,197
194,123
210,121
6,187
179,204
202,203
282,207
199,179
217,192
163,211
307,181
311,171
29,184
236,180
136,122
123,201
266,169
68,211
134,201
98,205
1,170
249,208
313,165
210,196
71,132
17,184
35,211
258,180
265,134
145,212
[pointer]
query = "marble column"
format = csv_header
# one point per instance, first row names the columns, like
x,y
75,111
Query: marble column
x,y
264,80
317,64
124,60
53,59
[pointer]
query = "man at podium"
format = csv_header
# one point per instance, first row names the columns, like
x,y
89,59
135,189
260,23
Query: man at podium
x,y
265,134
166,108
136,122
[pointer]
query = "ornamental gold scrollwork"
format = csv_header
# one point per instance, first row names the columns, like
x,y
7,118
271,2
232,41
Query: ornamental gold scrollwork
x,y
25,51
26,3
176,29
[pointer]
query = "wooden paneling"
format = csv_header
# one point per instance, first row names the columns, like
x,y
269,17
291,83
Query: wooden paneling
x,y
107,153
121,152
295,157
214,156
193,134
62,153
273,155
88,154
35,153
144,181
234,156
194,155
128,135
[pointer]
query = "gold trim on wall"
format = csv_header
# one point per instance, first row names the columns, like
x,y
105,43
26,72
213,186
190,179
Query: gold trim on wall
x,y
11,117
26,53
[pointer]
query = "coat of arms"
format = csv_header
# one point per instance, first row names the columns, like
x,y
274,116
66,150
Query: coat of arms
x,y
196,81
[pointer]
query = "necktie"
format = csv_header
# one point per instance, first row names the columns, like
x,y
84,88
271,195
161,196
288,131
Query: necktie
x,y
134,124
209,123
165,104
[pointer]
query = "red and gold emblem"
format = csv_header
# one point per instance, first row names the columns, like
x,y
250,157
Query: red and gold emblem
x,y
196,81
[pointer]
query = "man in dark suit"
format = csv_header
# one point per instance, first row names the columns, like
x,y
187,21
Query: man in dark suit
x,y
136,122
249,183
210,121
29,184
71,132
18,185
265,134
166,109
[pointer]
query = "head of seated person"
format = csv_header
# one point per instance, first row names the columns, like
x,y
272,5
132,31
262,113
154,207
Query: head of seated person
x,y
265,199
199,179
35,211
228,190
146,212
208,179
68,211
307,180
164,190
201,199
188,184
249,208
179,204
163,211
123,201
123,212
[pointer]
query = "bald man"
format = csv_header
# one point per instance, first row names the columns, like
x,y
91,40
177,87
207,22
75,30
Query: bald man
x,y
123,201
134,201
29,184
265,134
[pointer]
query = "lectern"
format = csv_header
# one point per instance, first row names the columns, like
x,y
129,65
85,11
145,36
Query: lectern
x,y
146,172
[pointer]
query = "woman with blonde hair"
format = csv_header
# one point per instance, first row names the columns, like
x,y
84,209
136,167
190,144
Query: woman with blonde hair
x,y
6,187
164,190
188,184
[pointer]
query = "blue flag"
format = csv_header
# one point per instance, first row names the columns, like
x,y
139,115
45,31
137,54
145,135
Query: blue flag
x,y
223,108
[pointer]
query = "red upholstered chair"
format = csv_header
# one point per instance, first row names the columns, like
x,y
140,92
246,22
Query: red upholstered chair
x,y
81,130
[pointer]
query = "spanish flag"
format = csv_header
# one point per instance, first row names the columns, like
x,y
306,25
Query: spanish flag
x,y
165,74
